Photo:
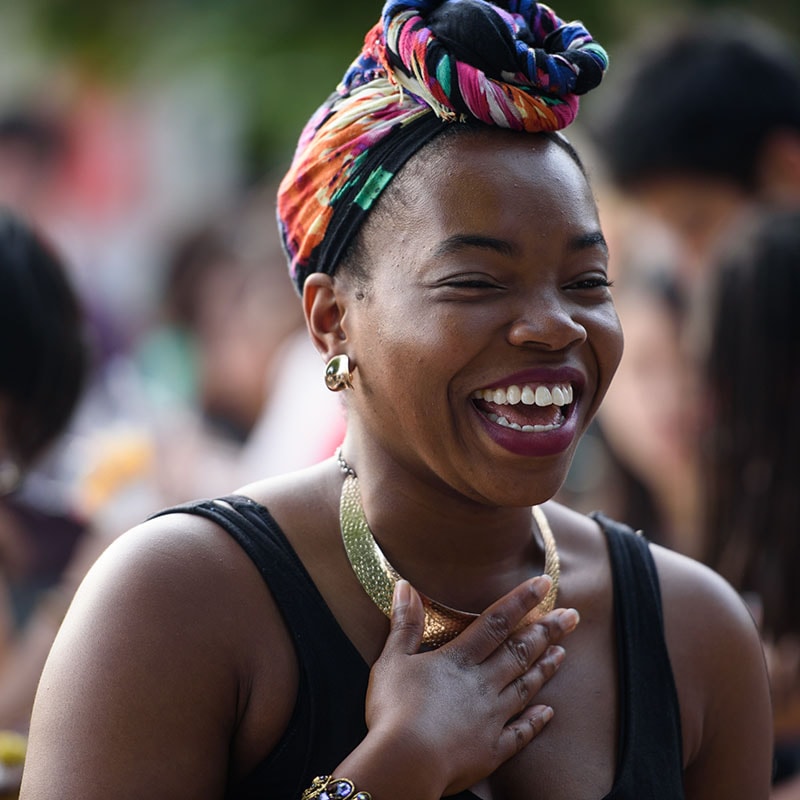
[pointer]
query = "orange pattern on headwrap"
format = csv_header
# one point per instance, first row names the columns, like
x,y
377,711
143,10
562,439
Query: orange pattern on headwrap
x,y
425,64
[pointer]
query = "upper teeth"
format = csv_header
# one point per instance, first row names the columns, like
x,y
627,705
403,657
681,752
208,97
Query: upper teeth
x,y
560,395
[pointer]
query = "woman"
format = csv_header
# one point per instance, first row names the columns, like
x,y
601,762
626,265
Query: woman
x,y
753,507
463,309
638,460
43,363
44,360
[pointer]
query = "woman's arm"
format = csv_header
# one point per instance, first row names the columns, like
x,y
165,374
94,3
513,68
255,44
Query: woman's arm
x,y
720,671
148,677
173,673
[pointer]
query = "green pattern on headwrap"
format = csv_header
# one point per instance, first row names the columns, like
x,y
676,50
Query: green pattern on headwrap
x,y
372,188
443,75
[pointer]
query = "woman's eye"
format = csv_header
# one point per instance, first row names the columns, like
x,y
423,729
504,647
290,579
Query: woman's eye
x,y
471,283
594,282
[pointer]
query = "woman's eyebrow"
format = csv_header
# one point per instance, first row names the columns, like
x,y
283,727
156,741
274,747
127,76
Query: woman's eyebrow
x,y
588,240
464,241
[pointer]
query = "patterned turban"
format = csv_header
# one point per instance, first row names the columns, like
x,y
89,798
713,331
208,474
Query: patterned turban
x,y
426,64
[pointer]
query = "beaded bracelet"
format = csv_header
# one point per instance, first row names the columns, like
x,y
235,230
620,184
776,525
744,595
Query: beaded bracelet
x,y
326,787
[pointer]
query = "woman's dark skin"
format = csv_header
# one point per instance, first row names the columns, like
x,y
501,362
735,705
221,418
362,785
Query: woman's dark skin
x,y
173,669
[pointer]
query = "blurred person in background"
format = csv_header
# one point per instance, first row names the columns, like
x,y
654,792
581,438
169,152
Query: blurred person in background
x,y
292,374
44,361
699,129
639,460
751,466
32,149
229,356
449,268
703,123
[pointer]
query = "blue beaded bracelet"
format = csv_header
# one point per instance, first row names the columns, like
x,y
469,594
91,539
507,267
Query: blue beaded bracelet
x,y
326,787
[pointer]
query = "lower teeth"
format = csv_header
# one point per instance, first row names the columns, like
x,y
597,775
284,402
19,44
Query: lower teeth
x,y
504,423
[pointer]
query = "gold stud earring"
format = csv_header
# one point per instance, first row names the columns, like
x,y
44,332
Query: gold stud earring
x,y
337,374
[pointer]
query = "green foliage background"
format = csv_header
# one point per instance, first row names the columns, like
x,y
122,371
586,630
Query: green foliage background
x,y
280,55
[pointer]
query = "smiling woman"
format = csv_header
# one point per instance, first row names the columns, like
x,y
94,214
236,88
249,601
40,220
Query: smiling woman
x,y
453,275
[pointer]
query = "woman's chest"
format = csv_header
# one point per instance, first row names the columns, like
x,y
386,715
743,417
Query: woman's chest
x,y
576,756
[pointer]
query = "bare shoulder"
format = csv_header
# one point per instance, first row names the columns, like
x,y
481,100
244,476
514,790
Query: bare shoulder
x,y
574,529
685,581
175,570
154,669
688,588
704,617
717,660
716,657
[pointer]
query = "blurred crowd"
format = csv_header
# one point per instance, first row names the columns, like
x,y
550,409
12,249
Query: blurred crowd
x,y
160,356
189,372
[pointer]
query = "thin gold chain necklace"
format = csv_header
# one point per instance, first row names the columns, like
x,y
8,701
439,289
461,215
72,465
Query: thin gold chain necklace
x,y
378,577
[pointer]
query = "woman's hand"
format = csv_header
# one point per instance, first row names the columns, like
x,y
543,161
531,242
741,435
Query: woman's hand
x,y
457,713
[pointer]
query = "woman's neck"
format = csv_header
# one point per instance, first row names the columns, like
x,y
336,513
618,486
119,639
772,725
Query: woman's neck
x,y
456,550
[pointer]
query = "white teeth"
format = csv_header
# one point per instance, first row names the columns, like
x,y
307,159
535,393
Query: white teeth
x,y
527,396
504,423
542,396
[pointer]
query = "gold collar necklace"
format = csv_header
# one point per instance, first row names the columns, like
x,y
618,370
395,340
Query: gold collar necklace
x,y
378,577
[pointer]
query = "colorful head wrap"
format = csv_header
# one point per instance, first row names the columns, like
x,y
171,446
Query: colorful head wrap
x,y
426,63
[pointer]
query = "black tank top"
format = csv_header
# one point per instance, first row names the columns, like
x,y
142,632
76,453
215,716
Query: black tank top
x,y
328,718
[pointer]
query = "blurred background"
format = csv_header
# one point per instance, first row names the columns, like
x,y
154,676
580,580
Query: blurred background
x,y
143,140
128,123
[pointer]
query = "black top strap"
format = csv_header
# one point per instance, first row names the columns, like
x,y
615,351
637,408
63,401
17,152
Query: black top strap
x,y
650,746
332,674
328,720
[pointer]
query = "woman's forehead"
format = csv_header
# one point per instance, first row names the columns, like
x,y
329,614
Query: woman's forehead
x,y
476,178
478,156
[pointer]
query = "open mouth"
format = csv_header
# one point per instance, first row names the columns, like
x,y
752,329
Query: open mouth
x,y
529,408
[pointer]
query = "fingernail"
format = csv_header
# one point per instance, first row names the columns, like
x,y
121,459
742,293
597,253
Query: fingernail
x,y
402,594
569,619
556,654
541,584
547,714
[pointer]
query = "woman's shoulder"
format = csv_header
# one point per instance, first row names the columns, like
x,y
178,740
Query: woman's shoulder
x,y
175,610
715,651
178,583
686,585
705,619
170,557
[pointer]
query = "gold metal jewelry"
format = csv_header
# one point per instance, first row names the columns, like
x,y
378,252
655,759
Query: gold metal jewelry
x,y
337,373
326,787
378,577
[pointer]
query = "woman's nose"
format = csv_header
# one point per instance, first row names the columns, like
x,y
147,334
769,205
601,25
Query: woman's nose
x,y
547,324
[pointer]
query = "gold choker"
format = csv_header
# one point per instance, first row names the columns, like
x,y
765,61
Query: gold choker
x,y
378,577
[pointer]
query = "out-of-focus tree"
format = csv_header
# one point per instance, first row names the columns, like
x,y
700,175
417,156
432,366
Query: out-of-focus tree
x,y
277,55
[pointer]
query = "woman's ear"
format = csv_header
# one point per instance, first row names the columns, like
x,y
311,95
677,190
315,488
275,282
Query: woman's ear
x,y
324,307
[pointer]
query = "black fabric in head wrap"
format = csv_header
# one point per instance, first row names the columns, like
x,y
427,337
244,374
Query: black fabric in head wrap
x,y
426,64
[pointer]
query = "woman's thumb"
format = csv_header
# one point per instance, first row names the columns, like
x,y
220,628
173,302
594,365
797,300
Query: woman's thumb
x,y
408,619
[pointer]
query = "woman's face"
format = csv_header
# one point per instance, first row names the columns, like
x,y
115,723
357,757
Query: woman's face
x,y
646,417
487,336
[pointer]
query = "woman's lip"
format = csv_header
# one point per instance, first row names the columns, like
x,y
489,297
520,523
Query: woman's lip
x,y
533,444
